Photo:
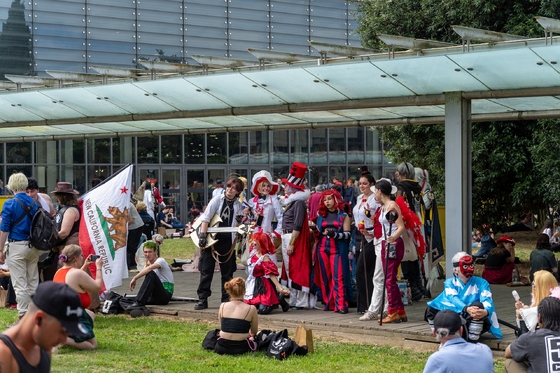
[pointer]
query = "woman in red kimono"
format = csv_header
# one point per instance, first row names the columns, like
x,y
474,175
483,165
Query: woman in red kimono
x,y
262,287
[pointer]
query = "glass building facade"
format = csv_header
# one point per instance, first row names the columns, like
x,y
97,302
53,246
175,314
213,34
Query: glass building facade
x,y
72,35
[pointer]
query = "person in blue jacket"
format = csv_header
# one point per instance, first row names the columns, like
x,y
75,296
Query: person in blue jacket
x,y
468,295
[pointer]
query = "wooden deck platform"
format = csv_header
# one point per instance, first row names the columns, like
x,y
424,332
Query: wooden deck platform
x,y
414,334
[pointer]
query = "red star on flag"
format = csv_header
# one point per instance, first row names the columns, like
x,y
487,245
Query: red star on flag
x,y
124,190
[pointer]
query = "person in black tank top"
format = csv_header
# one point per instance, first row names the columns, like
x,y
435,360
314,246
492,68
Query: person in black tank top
x,y
53,313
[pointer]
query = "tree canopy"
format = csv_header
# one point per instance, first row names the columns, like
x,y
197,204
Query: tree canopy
x,y
515,164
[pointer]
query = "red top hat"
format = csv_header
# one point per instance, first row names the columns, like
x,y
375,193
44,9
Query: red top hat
x,y
297,174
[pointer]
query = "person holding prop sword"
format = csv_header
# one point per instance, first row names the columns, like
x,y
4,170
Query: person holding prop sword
x,y
228,208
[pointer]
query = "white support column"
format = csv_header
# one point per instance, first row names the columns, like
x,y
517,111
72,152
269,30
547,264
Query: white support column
x,y
458,177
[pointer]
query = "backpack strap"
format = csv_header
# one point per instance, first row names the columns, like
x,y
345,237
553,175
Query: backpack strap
x,y
26,211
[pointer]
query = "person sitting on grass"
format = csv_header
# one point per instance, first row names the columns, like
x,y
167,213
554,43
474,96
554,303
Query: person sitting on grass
x,y
542,258
73,273
239,321
158,284
499,264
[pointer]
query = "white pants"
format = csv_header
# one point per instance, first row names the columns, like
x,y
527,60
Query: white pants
x,y
378,285
298,298
22,263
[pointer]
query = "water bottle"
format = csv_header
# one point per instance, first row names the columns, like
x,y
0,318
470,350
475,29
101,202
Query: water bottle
x,y
515,276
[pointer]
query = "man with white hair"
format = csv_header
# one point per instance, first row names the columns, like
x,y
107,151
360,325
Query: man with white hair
x,y
15,228
467,295
455,354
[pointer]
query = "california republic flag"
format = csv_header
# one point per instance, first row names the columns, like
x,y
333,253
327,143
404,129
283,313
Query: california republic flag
x,y
104,225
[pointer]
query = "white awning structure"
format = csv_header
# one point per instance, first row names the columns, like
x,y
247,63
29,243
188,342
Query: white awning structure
x,y
500,80
508,80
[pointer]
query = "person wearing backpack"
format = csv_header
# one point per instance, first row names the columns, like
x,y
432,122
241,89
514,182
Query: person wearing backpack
x,y
15,229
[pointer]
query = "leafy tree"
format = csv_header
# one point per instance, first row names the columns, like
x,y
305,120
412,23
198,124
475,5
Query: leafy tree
x,y
514,164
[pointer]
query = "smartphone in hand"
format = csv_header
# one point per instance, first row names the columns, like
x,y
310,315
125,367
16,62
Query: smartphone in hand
x,y
94,257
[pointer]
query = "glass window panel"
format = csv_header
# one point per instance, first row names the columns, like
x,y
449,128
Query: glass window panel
x,y
337,145
354,170
18,152
238,148
171,149
72,151
13,169
355,153
47,177
373,147
148,149
75,175
212,176
3,181
46,152
217,148
99,150
194,149
338,172
259,149
318,175
196,190
280,148
170,190
1,153
123,150
319,146
96,174
278,173
299,146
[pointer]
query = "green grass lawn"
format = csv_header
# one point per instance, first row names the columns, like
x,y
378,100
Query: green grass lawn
x,y
156,344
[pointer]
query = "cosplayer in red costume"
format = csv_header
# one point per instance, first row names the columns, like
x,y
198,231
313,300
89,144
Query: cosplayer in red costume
x,y
262,276
332,272
296,247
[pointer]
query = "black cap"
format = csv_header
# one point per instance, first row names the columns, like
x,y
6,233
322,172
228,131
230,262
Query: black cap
x,y
448,320
62,303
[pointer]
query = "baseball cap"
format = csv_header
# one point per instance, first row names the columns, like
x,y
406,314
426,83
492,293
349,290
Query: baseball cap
x,y
62,303
449,320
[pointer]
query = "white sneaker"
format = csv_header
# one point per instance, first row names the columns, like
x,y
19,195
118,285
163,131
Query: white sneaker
x,y
368,316
475,329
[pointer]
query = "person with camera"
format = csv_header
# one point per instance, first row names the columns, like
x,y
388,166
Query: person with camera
x,y
392,248
73,273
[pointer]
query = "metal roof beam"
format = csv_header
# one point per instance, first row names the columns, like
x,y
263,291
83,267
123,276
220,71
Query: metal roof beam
x,y
118,72
412,43
70,77
340,50
168,67
277,56
34,80
485,36
222,62
549,24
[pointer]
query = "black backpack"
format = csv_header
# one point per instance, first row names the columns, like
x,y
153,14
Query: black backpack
x,y
43,234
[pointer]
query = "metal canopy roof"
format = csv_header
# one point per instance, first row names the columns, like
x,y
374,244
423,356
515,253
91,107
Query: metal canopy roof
x,y
506,80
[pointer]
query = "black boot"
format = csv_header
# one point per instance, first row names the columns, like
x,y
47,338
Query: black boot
x,y
285,305
264,310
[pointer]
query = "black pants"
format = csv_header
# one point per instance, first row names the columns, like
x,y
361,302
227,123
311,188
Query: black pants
x,y
365,268
132,245
152,291
431,313
206,265
148,230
